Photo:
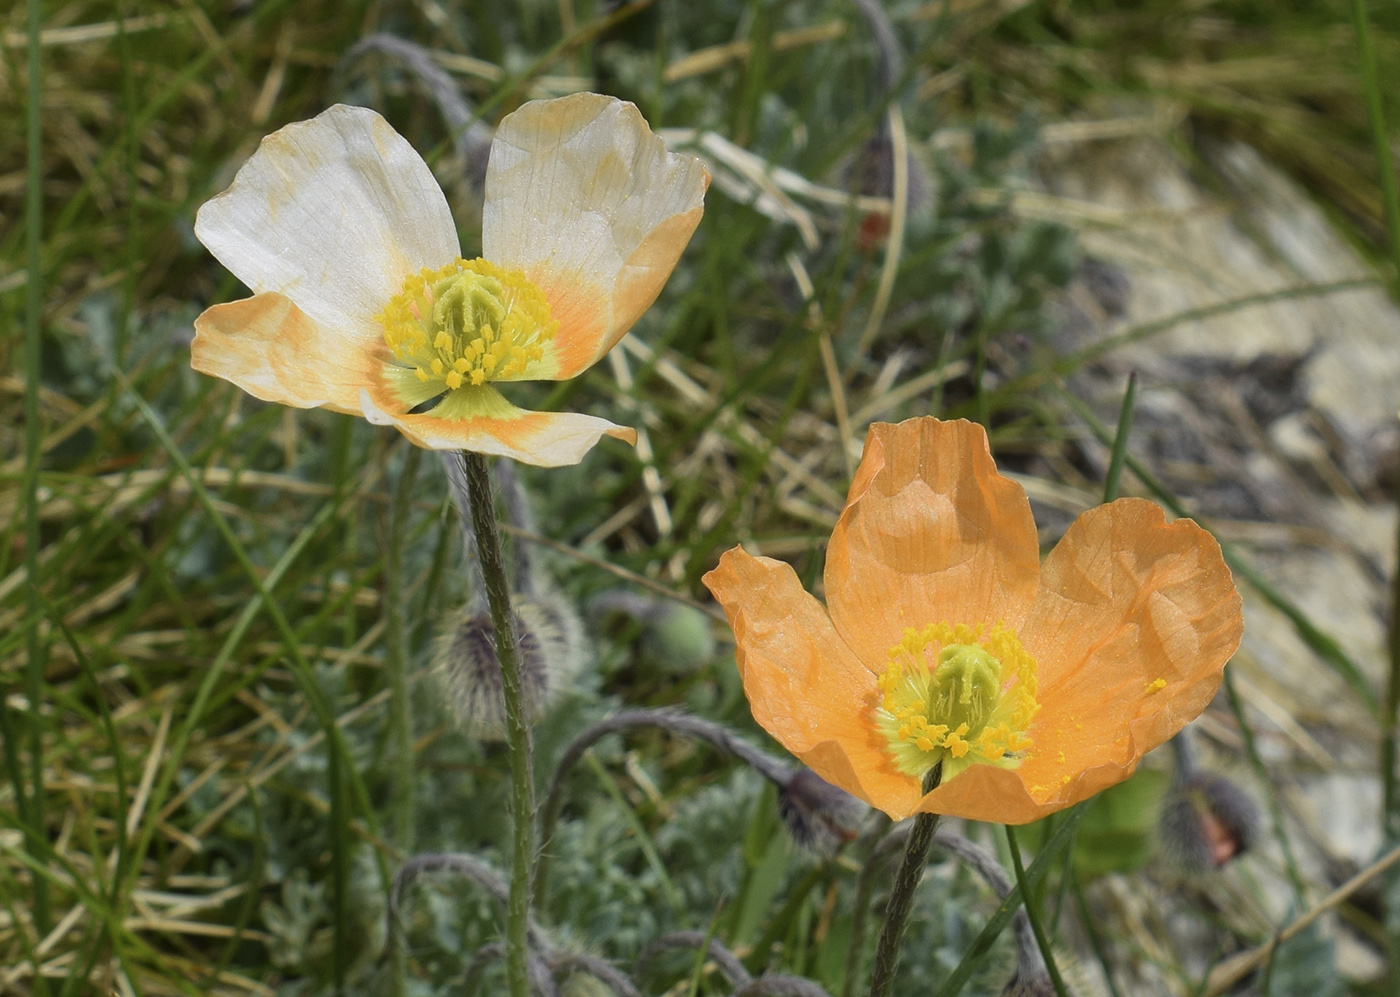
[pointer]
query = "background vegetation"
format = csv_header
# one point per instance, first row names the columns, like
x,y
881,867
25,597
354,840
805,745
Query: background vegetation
x,y
201,793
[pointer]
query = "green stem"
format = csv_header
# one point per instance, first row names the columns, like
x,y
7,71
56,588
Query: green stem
x,y
488,546
34,308
1033,912
1120,441
1370,82
396,661
1390,719
901,901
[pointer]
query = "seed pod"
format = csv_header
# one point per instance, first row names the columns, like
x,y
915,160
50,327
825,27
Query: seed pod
x,y
549,644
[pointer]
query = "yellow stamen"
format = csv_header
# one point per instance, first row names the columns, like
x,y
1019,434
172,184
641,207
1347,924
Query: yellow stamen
x,y
468,323
956,695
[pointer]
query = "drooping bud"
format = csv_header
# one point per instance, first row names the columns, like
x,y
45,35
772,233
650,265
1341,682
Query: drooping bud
x,y
1032,984
548,635
819,816
1206,821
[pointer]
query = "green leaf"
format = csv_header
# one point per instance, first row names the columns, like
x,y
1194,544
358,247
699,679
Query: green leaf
x,y
1119,826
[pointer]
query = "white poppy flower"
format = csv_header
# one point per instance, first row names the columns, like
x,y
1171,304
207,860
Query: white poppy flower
x,y
362,303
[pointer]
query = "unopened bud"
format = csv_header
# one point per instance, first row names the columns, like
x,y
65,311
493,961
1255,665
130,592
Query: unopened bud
x,y
871,172
819,816
548,645
1206,821
1033,984
675,637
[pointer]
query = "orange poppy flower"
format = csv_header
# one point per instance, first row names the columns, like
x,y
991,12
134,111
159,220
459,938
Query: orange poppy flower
x,y
945,640
362,304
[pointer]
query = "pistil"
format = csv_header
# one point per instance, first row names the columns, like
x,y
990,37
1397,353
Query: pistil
x,y
469,323
956,696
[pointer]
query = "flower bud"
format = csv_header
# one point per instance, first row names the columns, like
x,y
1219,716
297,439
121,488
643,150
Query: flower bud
x,y
819,816
1206,821
548,643
675,637
1033,984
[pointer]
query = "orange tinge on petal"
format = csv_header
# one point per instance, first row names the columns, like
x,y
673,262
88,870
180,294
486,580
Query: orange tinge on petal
x,y
1130,624
332,219
544,439
582,197
804,685
271,349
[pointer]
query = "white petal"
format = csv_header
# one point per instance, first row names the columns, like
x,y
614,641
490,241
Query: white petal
x,y
334,213
587,201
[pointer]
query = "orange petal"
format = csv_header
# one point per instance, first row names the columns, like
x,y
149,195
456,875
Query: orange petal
x,y
545,439
1131,630
931,533
334,213
587,201
988,793
804,685
271,349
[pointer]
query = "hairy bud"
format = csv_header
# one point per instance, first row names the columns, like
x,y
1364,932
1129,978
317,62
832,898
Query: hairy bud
x,y
1206,821
819,816
1032,984
549,642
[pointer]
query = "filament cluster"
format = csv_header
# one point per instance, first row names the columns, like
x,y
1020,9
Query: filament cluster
x,y
468,323
958,695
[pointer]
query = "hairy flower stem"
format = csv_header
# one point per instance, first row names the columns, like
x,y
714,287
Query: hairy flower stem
x,y
911,870
522,795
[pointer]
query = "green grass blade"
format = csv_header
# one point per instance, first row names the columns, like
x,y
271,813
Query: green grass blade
x,y
1375,112
1120,441
205,692
982,944
1295,878
33,316
306,682
1033,912
396,663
